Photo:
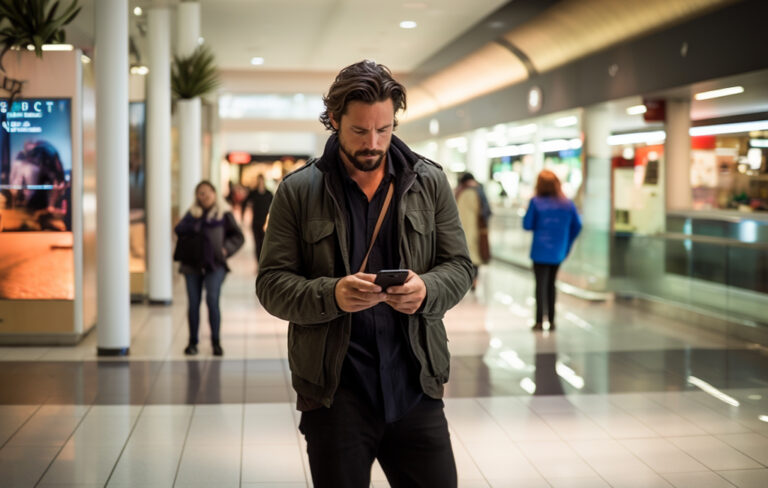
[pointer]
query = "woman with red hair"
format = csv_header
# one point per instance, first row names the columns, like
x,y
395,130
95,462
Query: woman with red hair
x,y
555,224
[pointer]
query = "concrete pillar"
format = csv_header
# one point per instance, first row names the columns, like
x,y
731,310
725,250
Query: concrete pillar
x,y
677,156
160,266
112,212
188,110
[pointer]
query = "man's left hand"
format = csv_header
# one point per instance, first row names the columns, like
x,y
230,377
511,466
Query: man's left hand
x,y
407,297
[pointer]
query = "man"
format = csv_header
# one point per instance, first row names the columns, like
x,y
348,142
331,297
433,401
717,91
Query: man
x,y
259,200
368,364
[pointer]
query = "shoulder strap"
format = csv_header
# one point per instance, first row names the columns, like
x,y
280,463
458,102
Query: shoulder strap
x,y
376,229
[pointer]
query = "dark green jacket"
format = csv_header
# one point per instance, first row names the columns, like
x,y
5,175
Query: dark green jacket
x,y
306,252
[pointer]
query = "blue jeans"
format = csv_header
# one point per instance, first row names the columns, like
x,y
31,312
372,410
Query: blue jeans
x,y
212,281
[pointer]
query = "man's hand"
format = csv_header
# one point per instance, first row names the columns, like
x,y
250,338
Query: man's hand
x,y
407,297
358,292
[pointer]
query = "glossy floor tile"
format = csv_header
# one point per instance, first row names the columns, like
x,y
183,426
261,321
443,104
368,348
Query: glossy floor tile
x,y
614,398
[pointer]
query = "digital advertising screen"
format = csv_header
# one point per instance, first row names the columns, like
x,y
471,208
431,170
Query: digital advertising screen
x,y
36,257
35,165
136,173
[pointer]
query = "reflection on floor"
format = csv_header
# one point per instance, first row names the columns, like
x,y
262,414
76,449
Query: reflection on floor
x,y
613,398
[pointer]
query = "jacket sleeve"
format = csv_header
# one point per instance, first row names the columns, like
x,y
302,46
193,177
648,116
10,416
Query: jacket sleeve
x,y
233,236
281,285
188,225
451,277
529,221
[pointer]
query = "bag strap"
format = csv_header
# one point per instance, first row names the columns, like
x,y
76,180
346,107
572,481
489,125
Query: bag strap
x,y
376,229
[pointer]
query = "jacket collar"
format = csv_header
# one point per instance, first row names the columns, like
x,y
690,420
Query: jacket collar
x,y
215,213
399,156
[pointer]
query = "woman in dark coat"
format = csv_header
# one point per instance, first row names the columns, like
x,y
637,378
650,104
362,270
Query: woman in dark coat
x,y
555,224
207,235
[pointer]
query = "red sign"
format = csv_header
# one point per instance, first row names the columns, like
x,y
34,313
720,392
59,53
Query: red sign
x,y
656,110
239,157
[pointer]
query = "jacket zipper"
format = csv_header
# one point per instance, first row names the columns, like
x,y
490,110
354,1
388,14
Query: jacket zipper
x,y
345,257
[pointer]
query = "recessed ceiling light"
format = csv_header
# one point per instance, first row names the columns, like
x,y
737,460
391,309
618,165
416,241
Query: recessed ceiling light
x,y
257,61
637,110
139,70
137,11
723,92
408,24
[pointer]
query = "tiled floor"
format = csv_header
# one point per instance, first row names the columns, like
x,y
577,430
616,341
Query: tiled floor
x,y
614,398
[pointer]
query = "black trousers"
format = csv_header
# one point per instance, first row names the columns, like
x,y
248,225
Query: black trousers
x,y
545,290
344,440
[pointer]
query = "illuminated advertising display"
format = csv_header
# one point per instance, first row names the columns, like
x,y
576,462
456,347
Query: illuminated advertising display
x,y
35,165
36,260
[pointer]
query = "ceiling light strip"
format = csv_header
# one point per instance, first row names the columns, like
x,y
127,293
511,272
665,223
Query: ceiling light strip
x,y
722,92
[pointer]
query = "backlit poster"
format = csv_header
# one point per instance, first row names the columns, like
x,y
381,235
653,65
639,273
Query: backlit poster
x,y
36,260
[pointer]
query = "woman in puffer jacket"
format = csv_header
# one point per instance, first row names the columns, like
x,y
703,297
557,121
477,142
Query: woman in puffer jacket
x,y
555,224
207,235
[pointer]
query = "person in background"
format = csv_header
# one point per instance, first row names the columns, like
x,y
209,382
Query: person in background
x,y
259,201
207,235
555,224
368,364
474,212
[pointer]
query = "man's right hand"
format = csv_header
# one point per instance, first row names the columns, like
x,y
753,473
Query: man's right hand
x,y
358,292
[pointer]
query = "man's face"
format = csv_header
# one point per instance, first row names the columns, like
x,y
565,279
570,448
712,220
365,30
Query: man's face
x,y
365,132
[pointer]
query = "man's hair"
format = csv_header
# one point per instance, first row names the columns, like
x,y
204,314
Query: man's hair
x,y
366,82
466,177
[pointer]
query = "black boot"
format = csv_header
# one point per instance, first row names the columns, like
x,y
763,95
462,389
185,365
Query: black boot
x,y
190,350
217,350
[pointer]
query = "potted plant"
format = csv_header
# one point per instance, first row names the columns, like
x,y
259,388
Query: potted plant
x,y
192,77
31,23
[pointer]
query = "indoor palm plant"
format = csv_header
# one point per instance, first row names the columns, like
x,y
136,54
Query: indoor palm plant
x,y
31,23
194,75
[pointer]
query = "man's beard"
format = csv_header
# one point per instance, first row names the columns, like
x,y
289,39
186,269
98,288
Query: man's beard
x,y
363,164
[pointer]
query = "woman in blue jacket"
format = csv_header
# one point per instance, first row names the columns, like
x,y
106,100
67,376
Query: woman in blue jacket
x,y
555,224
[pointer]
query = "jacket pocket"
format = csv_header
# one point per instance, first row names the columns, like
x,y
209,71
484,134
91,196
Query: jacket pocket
x,y
437,349
420,239
306,351
318,255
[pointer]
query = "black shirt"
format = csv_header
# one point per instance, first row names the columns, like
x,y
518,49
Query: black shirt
x,y
379,363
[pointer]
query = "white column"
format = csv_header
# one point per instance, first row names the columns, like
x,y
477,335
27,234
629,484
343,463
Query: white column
x,y
597,178
187,27
677,149
477,159
111,68
596,206
159,268
188,110
190,149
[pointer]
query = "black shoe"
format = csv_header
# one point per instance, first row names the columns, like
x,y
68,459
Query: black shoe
x,y
217,350
190,350
551,327
537,326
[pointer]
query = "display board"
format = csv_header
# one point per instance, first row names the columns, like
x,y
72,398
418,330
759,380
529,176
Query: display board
x,y
36,199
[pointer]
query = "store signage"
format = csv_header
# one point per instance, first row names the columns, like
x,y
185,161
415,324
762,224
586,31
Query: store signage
x,y
239,157
656,110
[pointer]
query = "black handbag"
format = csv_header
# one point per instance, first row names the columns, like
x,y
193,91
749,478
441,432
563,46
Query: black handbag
x,y
189,249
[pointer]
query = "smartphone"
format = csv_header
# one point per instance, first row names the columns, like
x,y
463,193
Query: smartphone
x,y
390,277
